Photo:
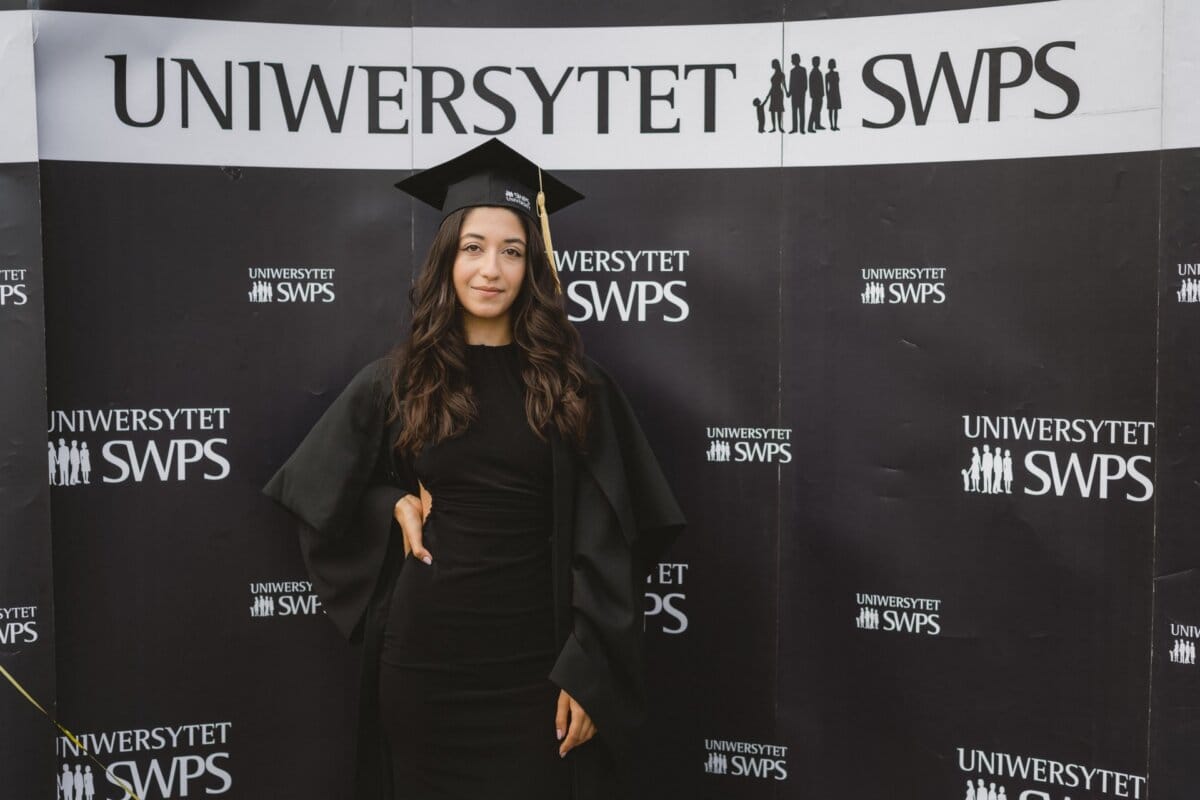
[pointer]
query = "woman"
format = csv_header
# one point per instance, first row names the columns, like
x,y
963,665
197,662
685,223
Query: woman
x,y
775,95
481,507
833,93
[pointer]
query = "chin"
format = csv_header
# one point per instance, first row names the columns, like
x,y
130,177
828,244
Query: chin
x,y
487,312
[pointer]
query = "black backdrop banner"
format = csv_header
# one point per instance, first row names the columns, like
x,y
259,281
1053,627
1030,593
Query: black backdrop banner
x,y
1175,708
904,302
27,641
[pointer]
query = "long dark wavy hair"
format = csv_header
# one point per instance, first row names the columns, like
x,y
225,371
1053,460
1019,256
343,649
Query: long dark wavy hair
x,y
430,390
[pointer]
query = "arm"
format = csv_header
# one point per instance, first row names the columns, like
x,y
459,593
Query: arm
x,y
658,519
625,515
342,485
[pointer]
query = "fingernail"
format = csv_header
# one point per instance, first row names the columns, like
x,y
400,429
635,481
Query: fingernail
x,y
558,732
427,559
561,753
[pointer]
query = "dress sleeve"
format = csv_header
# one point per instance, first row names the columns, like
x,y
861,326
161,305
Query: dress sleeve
x,y
342,484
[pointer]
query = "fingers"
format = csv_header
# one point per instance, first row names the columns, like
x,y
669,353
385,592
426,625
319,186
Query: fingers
x,y
561,715
398,512
581,726
588,731
426,501
408,513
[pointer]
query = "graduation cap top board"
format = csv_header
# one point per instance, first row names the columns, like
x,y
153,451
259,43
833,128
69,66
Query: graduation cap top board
x,y
493,174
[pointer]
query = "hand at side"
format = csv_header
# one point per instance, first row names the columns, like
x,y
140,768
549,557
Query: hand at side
x,y
411,512
572,720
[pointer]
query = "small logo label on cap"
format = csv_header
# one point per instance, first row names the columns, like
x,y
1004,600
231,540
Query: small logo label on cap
x,y
518,199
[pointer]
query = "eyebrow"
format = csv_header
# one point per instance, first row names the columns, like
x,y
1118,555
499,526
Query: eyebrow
x,y
517,239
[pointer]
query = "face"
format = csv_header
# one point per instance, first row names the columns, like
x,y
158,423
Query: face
x,y
488,270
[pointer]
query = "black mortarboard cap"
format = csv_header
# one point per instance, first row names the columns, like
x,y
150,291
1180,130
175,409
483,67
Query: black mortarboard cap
x,y
493,174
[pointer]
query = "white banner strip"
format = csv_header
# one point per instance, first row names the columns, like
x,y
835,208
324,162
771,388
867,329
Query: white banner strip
x,y
1181,74
1046,79
18,103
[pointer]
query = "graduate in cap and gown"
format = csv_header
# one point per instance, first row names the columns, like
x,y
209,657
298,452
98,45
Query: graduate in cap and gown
x,y
480,509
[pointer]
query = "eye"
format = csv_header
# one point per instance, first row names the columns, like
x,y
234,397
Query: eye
x,y
471,247
514,252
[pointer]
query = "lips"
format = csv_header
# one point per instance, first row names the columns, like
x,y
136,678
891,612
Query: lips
x,y
487,290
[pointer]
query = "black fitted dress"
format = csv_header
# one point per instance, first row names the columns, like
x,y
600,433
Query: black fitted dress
x,y
465,700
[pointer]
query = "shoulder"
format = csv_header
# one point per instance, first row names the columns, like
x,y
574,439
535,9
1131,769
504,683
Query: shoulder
x,y
374,373
598,373
364,399
594,370
601,380
372,383
611,400
337,452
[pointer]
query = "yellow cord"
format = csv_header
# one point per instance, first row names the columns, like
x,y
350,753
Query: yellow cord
x,y
128,789
545,217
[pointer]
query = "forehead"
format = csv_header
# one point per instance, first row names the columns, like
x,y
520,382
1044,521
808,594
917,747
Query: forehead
x,y
492,221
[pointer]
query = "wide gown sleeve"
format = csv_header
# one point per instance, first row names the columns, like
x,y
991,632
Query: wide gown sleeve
x,y
625,517
658,519
342,484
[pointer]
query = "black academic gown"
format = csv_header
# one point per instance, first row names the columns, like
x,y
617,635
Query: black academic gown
x,y
614,514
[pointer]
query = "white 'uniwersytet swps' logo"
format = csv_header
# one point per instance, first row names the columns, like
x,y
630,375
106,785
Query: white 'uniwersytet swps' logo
x,y
903,285
741,445
291,285
1098,459
898,614
159,763
283,599
625,285
745,759
137,445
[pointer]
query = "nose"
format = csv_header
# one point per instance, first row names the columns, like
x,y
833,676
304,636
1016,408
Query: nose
x,y
489,266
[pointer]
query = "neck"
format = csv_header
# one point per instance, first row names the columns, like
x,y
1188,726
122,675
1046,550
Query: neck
x,y
492,332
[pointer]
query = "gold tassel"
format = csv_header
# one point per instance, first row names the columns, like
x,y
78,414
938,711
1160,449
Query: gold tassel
x,y
545,218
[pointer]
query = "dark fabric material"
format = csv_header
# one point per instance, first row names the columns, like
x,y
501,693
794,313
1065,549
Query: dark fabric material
x,y
342,483
466,702
462,733
613,516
